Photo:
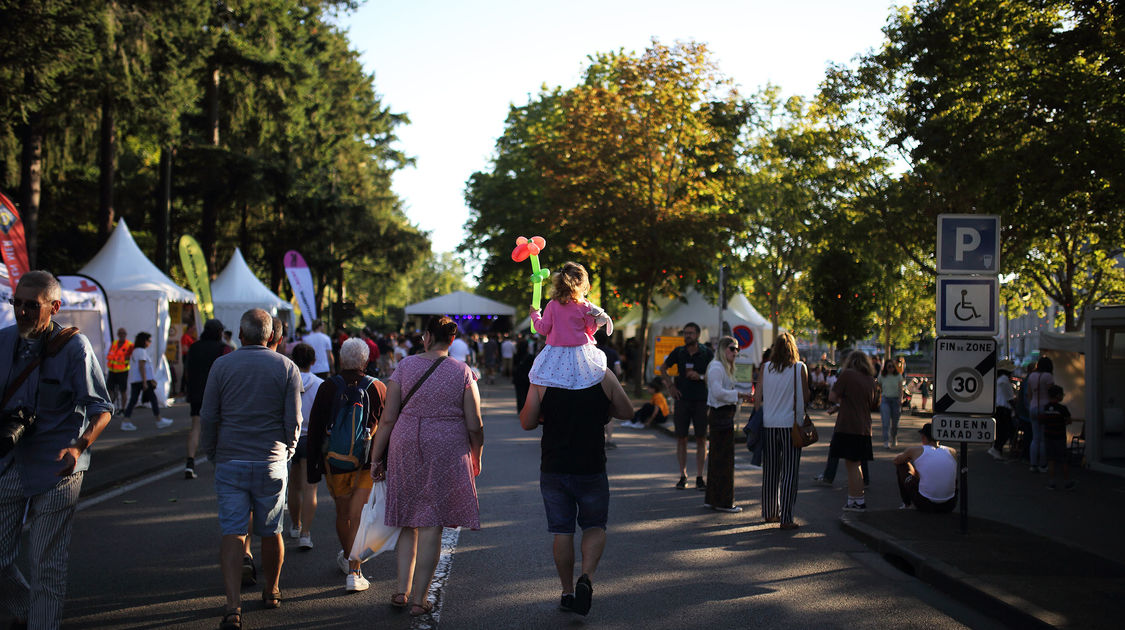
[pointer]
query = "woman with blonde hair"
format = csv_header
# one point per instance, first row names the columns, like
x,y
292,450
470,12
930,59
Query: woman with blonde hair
x,y
854,391
722,407
783,389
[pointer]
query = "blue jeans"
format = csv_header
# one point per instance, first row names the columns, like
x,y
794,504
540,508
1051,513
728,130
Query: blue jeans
x,y
569,498
1038,452
890,410
242,487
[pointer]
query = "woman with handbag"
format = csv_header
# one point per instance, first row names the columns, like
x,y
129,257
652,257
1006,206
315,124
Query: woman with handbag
x,y
855,392
722,406
783,388
436,438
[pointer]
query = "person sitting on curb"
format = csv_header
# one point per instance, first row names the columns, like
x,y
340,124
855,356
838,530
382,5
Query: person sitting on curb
x,y
927,475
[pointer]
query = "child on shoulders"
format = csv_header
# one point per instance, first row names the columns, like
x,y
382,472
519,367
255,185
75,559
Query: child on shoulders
x,y
570,359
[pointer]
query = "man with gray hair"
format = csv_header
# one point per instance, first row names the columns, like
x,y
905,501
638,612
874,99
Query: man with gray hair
x,y
251,406
54,392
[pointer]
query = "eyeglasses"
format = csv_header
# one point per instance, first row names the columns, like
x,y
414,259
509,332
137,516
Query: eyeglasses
x,y
30,305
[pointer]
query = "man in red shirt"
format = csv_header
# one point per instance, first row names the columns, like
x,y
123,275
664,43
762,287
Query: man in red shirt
x,y
373,352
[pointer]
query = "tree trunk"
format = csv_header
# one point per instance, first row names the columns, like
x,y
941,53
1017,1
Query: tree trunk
x,y
210,213
163,211
775,312
31,181
107,165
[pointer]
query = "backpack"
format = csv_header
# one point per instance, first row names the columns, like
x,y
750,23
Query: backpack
x,y
348,438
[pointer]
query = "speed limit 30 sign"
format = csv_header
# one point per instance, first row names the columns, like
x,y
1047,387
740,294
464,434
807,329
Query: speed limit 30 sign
x,y
965,376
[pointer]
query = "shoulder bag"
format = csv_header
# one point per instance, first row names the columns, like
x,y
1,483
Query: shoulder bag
x,y
804,433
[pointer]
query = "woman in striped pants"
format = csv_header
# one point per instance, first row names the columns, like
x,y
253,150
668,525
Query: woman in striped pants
x,y
783,388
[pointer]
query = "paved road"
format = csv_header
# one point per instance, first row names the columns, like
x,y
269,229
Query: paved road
x,y
148,558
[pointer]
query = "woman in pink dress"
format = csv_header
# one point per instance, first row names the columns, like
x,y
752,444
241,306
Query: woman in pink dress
x,y
435,438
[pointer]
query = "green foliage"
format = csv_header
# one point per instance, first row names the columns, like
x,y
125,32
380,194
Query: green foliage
x,y
842,293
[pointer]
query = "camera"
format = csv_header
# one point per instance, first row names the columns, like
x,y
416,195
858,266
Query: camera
x,y
15,424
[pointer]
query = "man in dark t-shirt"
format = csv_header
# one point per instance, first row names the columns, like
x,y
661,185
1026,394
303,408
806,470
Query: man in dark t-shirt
x,y
690,393
572,474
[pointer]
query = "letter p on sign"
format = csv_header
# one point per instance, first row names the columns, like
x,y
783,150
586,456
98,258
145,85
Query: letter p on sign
x,y
968,239
968,244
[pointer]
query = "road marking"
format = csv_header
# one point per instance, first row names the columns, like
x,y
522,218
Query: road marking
x,y
449,538
133,485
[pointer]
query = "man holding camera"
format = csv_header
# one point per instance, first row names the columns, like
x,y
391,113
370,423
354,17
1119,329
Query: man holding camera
x,y
54,406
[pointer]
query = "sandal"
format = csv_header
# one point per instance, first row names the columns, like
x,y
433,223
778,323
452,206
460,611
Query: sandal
x,y
231,624
398,600
417,610
271,600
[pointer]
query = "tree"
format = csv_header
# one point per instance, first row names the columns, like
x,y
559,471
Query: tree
x,y
842,295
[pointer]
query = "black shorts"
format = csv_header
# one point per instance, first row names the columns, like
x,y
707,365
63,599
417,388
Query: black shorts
x,y
1056,448
117,382
691,414
196,406
850,446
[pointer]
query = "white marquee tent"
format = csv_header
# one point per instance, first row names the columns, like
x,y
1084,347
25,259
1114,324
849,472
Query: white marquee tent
x,y
84,310
237,290
460,303
137,290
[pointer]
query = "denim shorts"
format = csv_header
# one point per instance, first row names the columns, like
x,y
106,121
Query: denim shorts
x,y
569,498
242,487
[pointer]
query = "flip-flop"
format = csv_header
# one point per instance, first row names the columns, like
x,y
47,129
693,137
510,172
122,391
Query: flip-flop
x,y
271,600
417,610
399,600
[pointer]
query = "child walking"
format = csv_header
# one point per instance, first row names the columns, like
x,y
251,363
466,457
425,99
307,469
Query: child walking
x,y
570,359
1055,416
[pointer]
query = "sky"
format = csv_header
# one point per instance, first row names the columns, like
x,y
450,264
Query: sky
x,y
454,67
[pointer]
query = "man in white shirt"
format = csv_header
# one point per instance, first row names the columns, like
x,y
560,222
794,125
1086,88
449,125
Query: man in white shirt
x,y
459,349
507,351
927,475
322,345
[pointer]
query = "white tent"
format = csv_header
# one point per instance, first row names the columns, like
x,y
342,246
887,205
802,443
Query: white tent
x,y
460,303
138,291
84,310
237,290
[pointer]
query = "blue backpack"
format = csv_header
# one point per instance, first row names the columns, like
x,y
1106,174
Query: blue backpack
x,y
348,437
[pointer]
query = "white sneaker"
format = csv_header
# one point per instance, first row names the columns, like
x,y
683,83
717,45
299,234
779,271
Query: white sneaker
x,y
355,582
995,454
128,426
342,562
294,532
305,542
163,423
887,444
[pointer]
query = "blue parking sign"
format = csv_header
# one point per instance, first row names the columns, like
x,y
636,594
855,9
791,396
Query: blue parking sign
x,y
968,244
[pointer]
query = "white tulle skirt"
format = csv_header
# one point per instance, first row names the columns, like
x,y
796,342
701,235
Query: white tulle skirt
x,y
568,367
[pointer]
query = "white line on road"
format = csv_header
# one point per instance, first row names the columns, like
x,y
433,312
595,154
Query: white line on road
x,y
133,485
449,538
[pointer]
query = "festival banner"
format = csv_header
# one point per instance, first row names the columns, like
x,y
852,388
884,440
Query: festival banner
x,y
195,267
12,243
300,280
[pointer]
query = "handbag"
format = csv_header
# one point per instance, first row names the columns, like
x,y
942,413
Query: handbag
x,y
373,536
803,434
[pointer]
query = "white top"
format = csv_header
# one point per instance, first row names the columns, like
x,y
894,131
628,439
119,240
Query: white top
x,y
830,381
777,396
141,354
459,350
937,473
1004,391
310,383
720,386
507,349
400,353
322,345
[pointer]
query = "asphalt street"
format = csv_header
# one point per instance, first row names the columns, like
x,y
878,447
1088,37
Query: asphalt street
x,y
148,557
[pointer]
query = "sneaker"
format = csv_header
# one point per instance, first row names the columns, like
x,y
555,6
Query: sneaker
x,y
583,595
355,582
128,426
855,507
822,480
342,562
566,602
249,573
682,483
189,473
305,542
636,425
997,455
700,484
894,442
886,444
163,423
903,506
294,532
734,509
1042,469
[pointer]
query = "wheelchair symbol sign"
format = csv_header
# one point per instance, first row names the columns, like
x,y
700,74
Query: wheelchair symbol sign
x,y
967,306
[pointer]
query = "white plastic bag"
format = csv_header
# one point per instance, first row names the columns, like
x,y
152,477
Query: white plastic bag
x,y
374,537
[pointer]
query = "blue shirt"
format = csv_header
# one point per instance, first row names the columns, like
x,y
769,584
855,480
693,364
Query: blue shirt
x,y
71,392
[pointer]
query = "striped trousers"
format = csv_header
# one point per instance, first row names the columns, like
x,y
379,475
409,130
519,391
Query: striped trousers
x,y
50,516
780,466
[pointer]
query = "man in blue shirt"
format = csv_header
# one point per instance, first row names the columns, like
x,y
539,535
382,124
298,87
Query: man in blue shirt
x,y
66,392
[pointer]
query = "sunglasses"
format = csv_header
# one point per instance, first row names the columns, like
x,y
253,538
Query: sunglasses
x,y
735,348
30,305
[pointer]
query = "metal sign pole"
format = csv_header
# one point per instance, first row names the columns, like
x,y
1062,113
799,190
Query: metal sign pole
x,y
963,464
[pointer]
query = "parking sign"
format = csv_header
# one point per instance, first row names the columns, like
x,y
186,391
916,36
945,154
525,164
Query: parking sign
x,y
968,244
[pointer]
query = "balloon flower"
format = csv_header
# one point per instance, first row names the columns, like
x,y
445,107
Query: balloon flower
x,y
530,248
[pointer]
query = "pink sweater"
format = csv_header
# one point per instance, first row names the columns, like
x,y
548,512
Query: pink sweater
x,y
566,324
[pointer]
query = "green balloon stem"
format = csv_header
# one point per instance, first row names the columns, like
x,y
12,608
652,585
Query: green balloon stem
x,y
536,287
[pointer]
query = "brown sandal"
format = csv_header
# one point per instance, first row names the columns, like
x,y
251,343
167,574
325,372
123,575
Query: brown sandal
x,y
231,621
271,600
398,600
417,610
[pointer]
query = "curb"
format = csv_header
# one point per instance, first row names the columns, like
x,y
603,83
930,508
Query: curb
x,y
1007,608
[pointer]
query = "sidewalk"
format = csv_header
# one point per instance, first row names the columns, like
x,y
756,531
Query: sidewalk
x,y
119,457
1032,557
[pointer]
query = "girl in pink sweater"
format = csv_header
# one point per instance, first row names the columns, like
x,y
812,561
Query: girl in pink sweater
x,y
570,359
